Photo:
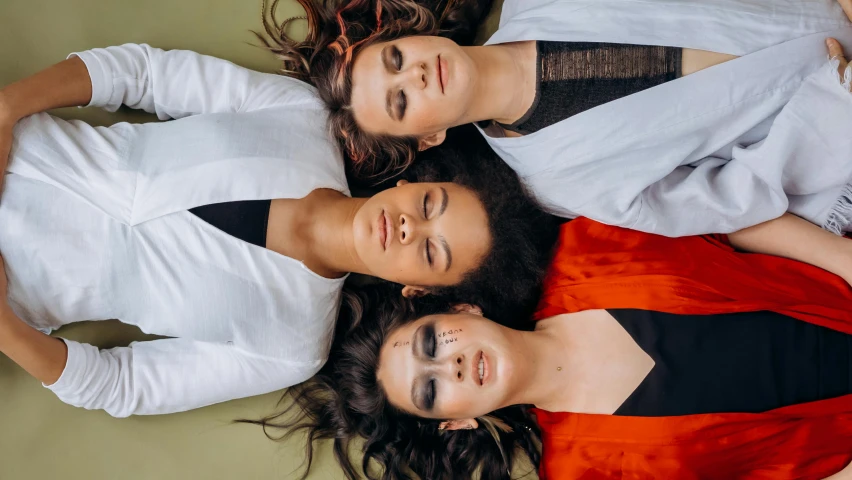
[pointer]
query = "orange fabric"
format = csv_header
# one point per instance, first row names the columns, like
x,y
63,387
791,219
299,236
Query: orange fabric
x,y
598,266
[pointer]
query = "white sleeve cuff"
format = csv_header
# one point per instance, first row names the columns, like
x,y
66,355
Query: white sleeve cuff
x,y
74,366
102,85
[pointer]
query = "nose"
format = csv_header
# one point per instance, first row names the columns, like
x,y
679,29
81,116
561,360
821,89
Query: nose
x,y
406,229
416,76
457,369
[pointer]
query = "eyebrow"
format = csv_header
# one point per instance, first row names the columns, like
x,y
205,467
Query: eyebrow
x,y
445,199
416,340
389,96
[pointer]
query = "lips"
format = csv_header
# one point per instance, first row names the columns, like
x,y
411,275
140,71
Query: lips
x,y
481,368
382,229
443,73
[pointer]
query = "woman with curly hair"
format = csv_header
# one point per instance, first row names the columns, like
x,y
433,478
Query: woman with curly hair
x,y
652,357
229,229
636,114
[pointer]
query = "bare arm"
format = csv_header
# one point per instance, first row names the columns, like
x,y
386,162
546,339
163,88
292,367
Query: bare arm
x,y
792,237
40,355
847,7
845,474
65,84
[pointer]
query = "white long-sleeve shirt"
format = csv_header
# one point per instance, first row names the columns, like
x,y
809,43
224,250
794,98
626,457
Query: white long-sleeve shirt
x,y
716,151
95,226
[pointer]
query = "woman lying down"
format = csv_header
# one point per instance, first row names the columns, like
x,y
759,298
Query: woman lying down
x,y
652,358
759,389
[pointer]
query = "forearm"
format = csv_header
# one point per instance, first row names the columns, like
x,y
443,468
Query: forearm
x,y
42,356
66,84
792,237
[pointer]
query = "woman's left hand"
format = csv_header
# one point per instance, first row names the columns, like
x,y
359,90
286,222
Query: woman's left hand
x,y
835,52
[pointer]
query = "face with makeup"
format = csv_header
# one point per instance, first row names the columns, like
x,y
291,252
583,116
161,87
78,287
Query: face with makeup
x,y
449,367
414,86
422,235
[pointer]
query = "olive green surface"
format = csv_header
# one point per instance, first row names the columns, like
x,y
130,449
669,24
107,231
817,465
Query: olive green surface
x,y
40,437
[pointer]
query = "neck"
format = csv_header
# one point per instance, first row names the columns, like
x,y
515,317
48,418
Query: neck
x,y
322,224
542,353
503,85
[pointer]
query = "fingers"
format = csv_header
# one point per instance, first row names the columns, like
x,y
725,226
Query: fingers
x,y
835,52
847,7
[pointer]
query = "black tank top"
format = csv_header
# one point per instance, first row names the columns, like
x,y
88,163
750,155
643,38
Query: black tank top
x,y
246,220
740,362
573,77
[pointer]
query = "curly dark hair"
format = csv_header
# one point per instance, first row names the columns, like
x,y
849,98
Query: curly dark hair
x,y
345,402
507,282
337,31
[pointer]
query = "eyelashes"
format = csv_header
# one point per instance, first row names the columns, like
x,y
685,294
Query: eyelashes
x,y
401,100
430,345
430,341
426,217
397,58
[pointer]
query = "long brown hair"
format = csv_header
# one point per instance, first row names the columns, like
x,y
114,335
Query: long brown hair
x,y
346,402
337,32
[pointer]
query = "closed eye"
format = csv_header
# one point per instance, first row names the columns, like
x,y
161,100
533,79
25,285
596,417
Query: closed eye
x,y
401,105
430,341
429,396
397,58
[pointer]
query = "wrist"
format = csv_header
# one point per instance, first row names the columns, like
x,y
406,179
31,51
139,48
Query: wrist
x,y
7,323
8,116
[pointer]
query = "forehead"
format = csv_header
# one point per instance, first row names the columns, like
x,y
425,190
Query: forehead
x,y
370,90
397,368
465,228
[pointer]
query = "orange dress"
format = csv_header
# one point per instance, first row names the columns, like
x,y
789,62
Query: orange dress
x,y
599,266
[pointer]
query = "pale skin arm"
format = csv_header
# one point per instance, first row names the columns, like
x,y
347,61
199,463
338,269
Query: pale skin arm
x,y
792,237
42,356
66,84
847,7
845,474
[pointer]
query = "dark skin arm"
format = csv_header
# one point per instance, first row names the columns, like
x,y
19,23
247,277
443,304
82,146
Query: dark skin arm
x,y
66,84
42,356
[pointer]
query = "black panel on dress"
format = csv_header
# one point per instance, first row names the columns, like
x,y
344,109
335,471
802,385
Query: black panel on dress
x,y
573,77
740,362
246,220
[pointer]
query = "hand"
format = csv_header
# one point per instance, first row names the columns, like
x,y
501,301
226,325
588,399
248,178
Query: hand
x,y
4,284
847,7
835,52
7,123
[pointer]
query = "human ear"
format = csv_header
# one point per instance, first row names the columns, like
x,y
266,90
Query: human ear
x,y
401,183
466,308
410,291
432,140
465,424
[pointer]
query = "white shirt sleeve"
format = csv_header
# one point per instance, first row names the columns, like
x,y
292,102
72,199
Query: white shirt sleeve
x,y
170,375
717,196
180,83
806,155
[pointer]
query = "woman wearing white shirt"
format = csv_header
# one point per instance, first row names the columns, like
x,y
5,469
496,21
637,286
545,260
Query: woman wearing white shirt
x,y
229,228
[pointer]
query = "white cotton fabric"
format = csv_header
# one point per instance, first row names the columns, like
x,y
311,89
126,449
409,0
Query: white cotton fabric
x,y
95,226
713,152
